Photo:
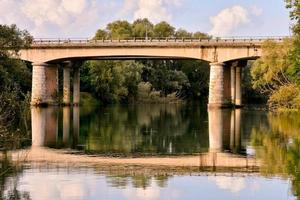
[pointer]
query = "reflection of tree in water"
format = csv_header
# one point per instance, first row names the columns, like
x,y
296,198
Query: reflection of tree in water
x,y
137,180
279,147
9,178
146,129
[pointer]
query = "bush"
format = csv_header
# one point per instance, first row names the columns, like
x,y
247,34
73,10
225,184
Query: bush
x,y
286,97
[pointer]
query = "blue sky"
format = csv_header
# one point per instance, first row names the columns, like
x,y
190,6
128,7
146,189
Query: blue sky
x,y
81,18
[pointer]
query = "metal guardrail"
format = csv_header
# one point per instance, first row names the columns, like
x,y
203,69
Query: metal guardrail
x,y
55,41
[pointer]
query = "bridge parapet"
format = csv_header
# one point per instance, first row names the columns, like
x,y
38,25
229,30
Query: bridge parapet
x,y
232,41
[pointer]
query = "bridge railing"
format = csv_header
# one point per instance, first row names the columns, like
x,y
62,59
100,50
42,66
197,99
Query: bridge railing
x,y
55,41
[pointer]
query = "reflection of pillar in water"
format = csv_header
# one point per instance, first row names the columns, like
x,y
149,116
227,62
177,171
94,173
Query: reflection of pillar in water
x,y
232,130
38,123
51,125
66,124
238,129
235,132
76,125
215,120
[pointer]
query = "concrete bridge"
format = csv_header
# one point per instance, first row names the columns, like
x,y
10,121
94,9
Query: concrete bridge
x,y
226,58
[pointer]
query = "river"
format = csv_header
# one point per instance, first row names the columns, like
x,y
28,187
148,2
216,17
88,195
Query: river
x,y
155,152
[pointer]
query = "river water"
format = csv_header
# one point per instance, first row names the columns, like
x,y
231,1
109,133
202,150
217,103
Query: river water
x,y
126,152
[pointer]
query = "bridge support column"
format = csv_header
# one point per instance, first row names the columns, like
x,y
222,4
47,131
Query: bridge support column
x,y
232,84
67,86
38,94
219,86
52,85
238,87
76,86
44,84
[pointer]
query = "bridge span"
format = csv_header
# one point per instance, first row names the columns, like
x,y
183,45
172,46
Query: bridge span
x,y
226,57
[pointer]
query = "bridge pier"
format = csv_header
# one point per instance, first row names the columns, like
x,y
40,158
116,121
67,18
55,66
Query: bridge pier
x,y
238,86
219,86
67,85
76,86
44,84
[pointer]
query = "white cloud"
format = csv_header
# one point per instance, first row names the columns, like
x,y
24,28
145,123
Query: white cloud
x,y
230,19
227,183
256,10
155,10
54,17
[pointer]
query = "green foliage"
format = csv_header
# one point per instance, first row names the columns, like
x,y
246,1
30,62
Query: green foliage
x,y
163,29
15,83
278,147
101,34
274,74
286,96
201,35
118,81
271,70
113,81
119,30
142,28
181,33
294,7
12,40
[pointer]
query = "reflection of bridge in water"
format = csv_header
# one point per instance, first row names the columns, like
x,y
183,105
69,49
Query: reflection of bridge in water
x,y
225,149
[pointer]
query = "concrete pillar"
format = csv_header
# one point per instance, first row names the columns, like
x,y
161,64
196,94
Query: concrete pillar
x,y
66,124
76,86
215,129
232,84
238,87
217,86
38,126
67,85
52,85
44,84
38,94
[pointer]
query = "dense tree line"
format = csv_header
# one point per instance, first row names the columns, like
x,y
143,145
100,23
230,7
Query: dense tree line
x,y
145,80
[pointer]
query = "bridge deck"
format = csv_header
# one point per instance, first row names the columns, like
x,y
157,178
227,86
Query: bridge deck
x,y
155,42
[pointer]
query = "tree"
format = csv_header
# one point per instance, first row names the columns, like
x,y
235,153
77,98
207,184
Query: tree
x,y
163,29
15,81
272,74
294,6
200,35
101,34
142,28
181,33
119,30
12,40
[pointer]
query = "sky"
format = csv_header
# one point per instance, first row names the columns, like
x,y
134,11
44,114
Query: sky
x,y
81,18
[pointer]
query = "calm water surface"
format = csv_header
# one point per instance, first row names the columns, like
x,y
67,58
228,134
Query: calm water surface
x,y
159,130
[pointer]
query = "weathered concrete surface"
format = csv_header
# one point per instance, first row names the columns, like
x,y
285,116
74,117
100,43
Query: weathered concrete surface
x,y
219,86
238,87
44,84
76,86
67,86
